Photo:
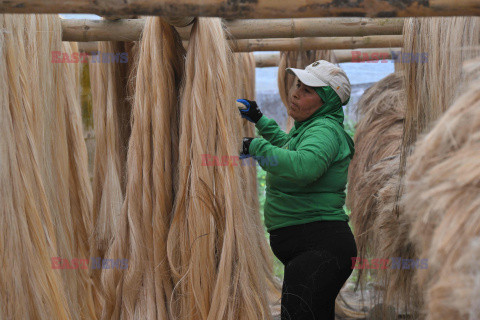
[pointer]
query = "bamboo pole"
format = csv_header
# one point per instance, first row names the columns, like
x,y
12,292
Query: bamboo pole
x,y
264,60
107,30
298,44
83,30
234,9
302,44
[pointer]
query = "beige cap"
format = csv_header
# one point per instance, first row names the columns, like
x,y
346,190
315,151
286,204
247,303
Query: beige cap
x,y
322,73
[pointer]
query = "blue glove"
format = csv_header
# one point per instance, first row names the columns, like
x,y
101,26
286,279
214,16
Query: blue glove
x,y
252,113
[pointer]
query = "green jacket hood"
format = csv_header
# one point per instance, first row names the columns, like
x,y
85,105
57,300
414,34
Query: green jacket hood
x,y
332,110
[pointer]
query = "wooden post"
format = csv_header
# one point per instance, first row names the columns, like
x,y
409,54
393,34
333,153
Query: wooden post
x,y
235,9
103,30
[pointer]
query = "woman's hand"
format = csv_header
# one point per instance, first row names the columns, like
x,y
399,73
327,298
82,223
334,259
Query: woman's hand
x,y
251,112
245,152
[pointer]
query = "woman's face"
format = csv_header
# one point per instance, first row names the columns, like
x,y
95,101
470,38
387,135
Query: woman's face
x,y
304,101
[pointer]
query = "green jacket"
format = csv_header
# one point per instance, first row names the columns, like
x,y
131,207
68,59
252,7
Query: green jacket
x,y
307,168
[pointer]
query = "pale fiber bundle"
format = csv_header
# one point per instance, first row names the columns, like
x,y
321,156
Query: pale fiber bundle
x,y
442,208
243,79
246,79
65,174
111,108
212,245
296,59
28,234
80,189
47,206
432,86
144,290
378,136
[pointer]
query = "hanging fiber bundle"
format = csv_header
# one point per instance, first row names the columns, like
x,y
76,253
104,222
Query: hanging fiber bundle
x,y
442,208
431,86
80,188
390,241
246,81
111,105
212,243
46,195
28,235
378,135
434,50
143,290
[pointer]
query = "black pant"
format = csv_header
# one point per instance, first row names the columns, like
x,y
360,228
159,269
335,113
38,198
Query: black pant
x,y
317,258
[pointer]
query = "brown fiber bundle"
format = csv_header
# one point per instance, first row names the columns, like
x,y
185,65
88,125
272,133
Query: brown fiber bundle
x,y
212,243
377,138
431,86
296,59
111,107
143,290
45,191
390,240
442,208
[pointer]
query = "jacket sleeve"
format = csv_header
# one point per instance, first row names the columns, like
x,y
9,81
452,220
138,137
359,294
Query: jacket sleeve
x,y
315,153
270,130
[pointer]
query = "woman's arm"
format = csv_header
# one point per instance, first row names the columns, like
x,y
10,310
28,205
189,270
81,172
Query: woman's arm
x,y
314,155
271,131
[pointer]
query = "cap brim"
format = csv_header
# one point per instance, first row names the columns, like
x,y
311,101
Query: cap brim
x,y
306,77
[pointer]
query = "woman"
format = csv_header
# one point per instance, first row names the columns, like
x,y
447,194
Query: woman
x,y
305,192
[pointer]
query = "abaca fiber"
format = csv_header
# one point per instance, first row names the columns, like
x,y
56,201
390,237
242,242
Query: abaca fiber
x,y
143,291
111,92
212,243
432,86
442,207
378,136
45,188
